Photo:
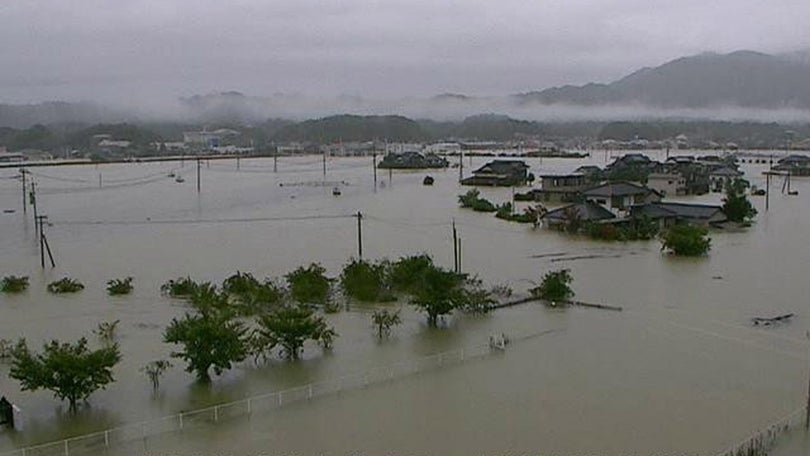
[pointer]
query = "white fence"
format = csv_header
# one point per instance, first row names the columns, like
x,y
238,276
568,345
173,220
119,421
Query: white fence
x,y
101,441
762,441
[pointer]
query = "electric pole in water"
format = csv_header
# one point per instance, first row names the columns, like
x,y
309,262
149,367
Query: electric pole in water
x,y
198,174
43,242
455,248
359,235
374,166
24,196
33,201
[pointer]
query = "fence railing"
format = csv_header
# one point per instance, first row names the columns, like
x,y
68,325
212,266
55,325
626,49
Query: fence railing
x,y
762,441
142,431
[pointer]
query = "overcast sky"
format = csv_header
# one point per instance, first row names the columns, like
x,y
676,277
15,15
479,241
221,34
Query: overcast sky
x,y
130,49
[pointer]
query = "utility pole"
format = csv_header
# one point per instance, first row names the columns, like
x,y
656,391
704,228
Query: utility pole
x,y
324,163
359,235
460,164
275,162
99,180
237,162
374,166
198,174
24,196
459,255
43,242
767,190
33,201
455,248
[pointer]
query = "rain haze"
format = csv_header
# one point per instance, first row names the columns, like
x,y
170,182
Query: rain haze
x,y
137,50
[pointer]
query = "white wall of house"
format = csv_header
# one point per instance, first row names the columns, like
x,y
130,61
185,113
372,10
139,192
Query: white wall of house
x,y
667,184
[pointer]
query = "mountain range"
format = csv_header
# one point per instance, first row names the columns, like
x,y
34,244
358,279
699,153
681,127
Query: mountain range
x,y
703,84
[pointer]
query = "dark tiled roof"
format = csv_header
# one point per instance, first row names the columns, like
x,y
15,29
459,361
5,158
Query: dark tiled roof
x,y
726,171
677,210
794,159
503,167
587,212
617,189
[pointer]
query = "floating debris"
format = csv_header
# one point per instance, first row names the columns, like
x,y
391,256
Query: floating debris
x,y
768,321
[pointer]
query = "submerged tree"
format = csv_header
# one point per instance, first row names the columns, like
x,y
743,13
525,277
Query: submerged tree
x,y
555,286
383,320
154,370
686,240
117,287
65,285
309,285
14,284
736,205
182,287
106,331
438,293
209,340
71,371
406,273
365,281
290,327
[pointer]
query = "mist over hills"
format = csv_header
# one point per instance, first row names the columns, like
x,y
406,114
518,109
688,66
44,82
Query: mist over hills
x,y
742,85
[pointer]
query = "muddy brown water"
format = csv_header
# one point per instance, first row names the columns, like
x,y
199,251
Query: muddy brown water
x,y
679,371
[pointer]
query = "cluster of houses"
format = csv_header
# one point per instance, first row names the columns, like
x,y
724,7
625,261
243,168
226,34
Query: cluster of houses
x,y
596,195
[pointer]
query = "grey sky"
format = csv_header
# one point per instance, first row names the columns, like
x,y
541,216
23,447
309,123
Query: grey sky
x,y
127,50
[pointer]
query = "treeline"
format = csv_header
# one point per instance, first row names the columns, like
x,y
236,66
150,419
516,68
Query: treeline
x,y
352,128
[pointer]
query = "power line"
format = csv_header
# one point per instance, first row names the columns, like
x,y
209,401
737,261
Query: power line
x,y
202,221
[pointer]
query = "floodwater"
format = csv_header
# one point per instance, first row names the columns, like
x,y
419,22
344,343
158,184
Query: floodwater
x,y
680,370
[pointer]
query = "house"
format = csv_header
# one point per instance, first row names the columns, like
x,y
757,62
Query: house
x,y
207,138
719,177
619,197
11,157
412,160
668,214
560,188
630,160
502,173
667,184
582,212
796,165
589,170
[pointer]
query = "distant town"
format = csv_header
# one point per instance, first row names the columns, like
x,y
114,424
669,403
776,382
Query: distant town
x,y
348,135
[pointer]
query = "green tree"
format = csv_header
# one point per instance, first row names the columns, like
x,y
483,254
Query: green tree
x,y
736,205
209,340
555,286
438,293
572,220
154,370
364,281
14,284
406,273
686,240
72,371
250,296
182,287
290,327
117,287
65,285
309,285
383,320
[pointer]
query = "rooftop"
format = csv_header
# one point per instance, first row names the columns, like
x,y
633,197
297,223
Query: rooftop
x,y
617,189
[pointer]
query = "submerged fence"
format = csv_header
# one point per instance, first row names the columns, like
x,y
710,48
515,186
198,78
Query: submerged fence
x,y
102,441
761,442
